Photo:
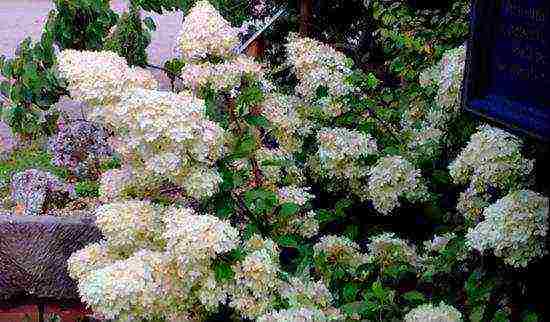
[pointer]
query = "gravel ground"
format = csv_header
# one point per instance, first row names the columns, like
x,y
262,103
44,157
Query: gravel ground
x,y
23,18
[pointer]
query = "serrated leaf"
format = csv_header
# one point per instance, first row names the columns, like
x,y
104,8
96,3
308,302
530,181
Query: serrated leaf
x,y
223,271
288,209
414,297
245,146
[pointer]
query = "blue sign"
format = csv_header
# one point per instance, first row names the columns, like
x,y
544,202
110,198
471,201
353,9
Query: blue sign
x,y
508,64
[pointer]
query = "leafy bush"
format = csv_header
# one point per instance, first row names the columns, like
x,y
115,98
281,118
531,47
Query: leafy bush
x,y
315,191
81,24
31,87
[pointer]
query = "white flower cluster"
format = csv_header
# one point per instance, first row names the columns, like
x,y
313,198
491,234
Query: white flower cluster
x,y
256,279
425,125
301,315
89,259
129,225
492,159
425,142
303,224
302,291
434,313
167,136
340,151
113,182
100,78
205,32
223,76
289,127
341,250
391,178
170,275
160,135
192,237
308,301
450,79
515,227
293,194
387,249
317,64
128,289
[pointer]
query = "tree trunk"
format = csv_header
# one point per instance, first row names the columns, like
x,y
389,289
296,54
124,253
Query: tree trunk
x,y
306,7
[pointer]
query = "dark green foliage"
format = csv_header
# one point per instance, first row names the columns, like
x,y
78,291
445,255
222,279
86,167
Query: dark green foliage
x,y
130,39
81,24
31,87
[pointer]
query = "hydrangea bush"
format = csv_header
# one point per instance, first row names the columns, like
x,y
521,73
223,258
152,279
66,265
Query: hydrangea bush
x,y
515,227
284,188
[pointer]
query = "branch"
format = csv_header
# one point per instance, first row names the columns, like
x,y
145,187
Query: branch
x,y
383,123
168,72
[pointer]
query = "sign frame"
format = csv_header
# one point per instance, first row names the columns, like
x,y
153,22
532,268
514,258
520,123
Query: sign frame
x,y
477,77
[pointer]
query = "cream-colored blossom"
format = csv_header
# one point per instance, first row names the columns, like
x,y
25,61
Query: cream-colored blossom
x,y
515,227
434,313
391,178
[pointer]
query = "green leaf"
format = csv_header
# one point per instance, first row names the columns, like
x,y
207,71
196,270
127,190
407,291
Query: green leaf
x,y
372,81
225,207
352,232
5,88
349,292
223,271
236,254
414,297
530,317
245,146
322,92
287,241
260,201
325,216
391,150
477,314
257,120
501,316
87,189
341,206
288,209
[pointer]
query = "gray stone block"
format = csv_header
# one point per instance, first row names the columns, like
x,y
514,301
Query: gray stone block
x,y
34,253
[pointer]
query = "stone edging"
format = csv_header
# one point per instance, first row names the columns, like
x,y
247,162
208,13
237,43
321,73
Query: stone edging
x,y
34,252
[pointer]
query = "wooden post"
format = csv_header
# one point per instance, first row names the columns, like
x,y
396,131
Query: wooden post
x,y
306,9
256,48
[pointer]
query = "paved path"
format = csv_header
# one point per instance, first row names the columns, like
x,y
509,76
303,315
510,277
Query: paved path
x,y
23,18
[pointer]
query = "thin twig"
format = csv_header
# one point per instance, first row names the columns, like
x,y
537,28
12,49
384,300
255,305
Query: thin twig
x,y
383,123
168,72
